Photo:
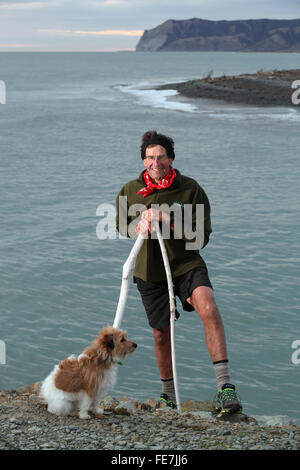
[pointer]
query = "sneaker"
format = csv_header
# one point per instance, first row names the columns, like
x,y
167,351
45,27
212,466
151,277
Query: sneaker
x,y
227,400
165,399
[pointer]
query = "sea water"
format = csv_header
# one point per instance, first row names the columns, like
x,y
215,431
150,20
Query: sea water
x,y
70,132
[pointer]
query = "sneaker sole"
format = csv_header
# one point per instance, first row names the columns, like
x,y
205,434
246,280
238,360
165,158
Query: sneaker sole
x,y
170,404
236,409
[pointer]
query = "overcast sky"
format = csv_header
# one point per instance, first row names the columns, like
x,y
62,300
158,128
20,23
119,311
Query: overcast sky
x,y
109,25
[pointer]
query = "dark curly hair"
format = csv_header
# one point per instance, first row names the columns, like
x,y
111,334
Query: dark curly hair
x,y
153,138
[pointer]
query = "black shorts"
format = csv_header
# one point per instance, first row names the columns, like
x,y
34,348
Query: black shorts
x,y
155,295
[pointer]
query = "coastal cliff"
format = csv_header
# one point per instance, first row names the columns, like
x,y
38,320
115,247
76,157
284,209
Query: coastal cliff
x,y
263,35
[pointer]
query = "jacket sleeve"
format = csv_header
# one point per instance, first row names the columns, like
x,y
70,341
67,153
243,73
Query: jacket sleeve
x,y
127,217
207,219
122,219
196,222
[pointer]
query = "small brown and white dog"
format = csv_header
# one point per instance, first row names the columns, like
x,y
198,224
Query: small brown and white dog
x,y
81,382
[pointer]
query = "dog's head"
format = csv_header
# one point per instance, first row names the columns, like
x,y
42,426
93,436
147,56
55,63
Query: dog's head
x,y
113,343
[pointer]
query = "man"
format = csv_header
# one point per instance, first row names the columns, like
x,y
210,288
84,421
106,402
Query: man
x,y
139,203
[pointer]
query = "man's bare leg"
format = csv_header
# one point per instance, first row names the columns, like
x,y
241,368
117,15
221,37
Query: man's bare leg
x,y
162,343
202,299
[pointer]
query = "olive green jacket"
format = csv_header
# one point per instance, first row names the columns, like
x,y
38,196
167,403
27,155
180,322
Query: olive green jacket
x,y
181,197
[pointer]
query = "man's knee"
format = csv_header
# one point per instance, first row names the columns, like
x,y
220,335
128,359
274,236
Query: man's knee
x,y
161,335
202,299
208,310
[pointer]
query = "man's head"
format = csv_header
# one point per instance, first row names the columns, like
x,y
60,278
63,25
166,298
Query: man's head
x,y
151,138
157,152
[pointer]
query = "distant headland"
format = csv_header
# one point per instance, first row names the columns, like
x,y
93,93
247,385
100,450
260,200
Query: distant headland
x,y
259,35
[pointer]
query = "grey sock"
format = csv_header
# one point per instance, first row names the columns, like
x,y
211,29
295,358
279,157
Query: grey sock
x,y
222,373
168,388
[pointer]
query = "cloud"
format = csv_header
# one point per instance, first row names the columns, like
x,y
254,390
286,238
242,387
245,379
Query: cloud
x,y
109,2
62,32
17,46
24,5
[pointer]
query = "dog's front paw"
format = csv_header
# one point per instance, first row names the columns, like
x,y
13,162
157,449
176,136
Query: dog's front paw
x,y
84,415
99,410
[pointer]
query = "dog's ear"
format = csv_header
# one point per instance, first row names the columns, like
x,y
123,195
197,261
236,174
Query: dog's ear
x,y
109,341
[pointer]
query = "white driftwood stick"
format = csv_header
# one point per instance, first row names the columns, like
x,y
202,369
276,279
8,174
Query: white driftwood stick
x,y
127,268
172,311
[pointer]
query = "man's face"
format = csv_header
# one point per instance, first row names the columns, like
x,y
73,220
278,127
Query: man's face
x,y
157,162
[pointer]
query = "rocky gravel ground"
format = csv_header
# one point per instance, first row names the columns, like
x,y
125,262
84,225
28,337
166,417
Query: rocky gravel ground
x,y
263,88
132,425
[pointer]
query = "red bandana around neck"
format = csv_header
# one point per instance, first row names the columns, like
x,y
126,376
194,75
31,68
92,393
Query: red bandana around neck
x,y
164,183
